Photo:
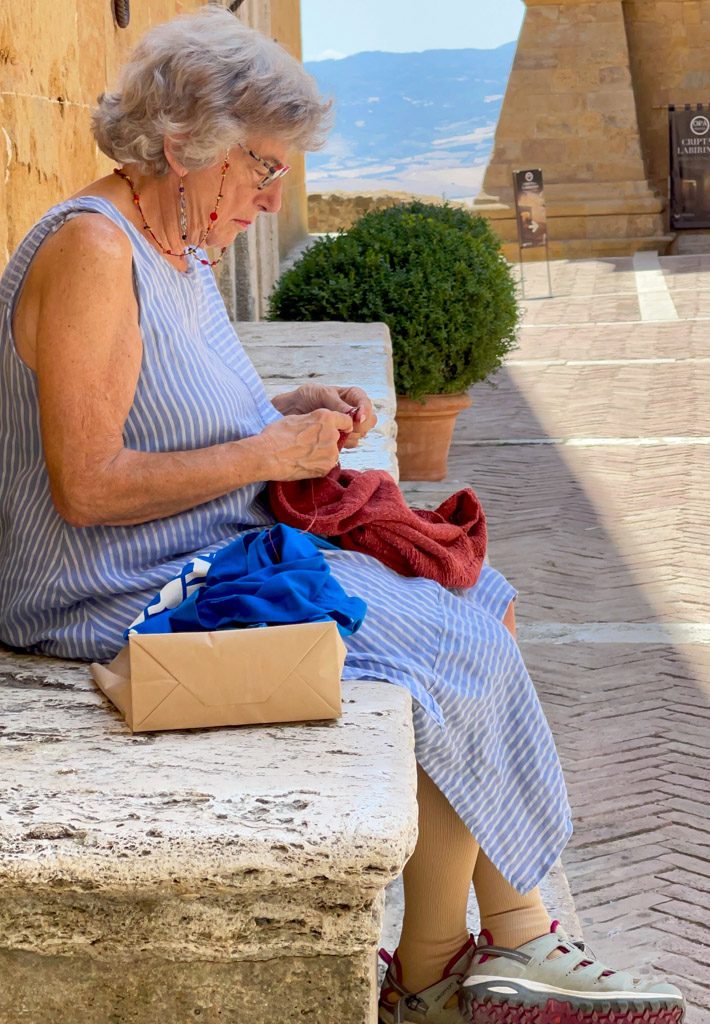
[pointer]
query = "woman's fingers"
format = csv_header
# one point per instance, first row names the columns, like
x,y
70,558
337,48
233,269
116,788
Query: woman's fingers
x,y
303,446
364,417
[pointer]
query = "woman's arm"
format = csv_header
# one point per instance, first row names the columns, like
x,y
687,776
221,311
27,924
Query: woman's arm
x,y
88,357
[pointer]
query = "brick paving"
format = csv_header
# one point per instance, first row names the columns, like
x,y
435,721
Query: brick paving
x,y
608,530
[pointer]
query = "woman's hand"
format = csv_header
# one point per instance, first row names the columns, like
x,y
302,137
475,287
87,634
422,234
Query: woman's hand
x,y
302,447
351,400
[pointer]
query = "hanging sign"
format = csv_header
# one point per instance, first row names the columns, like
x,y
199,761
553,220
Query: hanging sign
x,y
530,209
689,131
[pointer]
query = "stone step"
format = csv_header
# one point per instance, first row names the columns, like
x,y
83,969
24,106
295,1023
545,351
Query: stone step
x,y
690,243
589,248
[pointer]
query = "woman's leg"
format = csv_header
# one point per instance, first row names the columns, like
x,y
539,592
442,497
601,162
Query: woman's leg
x,y
510,918
437,881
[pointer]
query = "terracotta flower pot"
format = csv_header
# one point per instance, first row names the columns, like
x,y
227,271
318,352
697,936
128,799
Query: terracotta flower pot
x,y
424,434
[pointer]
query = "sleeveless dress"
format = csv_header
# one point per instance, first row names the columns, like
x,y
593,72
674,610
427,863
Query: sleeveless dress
x,y
480,732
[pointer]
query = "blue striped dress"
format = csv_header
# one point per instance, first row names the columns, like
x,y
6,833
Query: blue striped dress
x,y
480,732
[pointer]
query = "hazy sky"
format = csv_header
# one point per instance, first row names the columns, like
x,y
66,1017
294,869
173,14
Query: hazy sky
x,y
340,27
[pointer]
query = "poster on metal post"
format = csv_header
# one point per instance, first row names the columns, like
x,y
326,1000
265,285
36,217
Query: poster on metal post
x,y
689,131
530,209
531,216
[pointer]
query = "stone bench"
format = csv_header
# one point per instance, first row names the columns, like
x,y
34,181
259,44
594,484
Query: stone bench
x,y
233,875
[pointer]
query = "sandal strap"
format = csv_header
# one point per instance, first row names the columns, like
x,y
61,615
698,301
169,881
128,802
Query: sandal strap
x,y
510,954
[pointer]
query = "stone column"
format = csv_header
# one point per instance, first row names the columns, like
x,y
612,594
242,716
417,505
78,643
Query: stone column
x,y
669,44
293,215
248,273
569,109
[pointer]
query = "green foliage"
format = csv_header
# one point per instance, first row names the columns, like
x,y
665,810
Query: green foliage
x,y
433,274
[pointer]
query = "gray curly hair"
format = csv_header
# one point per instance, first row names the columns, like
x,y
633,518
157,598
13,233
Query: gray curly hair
x,y
207,82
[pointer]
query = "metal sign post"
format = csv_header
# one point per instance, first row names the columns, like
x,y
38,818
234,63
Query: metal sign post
x,y
531,218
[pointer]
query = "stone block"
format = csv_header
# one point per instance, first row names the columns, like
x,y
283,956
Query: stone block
x,y
590,123
572,102
535,61
614,75
555,126
617,146
517,122
541,152
526,83
667,12
693,81
567,227
512,151
619,102
38,988
608,52
571,80
692,12
620,170
223,860
607,227
542,15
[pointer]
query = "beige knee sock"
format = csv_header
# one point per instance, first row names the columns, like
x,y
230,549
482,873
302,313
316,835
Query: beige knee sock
x,y
437,881
511,919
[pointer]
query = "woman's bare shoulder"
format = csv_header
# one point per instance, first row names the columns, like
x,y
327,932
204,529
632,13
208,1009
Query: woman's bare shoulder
x,y
89,235
83,267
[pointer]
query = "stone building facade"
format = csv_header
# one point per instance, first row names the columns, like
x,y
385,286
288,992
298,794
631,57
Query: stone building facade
x,y
55,59
587,102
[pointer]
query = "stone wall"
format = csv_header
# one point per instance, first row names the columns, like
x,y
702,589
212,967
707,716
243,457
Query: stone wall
x,y
669,44
570,109
331,211
54,61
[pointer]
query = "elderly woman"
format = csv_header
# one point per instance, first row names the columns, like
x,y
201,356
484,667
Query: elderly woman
x,y
135,434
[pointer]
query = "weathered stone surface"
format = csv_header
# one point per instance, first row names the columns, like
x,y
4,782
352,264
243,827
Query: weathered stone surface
x,y
200,849
39,989
287,355
54,62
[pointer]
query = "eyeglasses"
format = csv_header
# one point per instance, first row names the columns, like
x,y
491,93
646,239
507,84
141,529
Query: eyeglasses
x,y
275,171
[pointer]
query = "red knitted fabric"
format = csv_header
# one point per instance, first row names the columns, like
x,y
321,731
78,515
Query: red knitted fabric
x,y
368,512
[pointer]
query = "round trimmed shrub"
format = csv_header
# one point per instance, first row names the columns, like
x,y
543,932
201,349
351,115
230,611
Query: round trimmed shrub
x,y
434,274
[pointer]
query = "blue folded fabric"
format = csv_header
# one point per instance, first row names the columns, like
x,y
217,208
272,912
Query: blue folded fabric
x,y
269,578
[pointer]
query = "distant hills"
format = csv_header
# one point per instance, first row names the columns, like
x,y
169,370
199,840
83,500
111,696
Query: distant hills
x,y
421,122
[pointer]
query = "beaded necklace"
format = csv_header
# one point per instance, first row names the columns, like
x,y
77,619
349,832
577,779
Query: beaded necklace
x,y
190,250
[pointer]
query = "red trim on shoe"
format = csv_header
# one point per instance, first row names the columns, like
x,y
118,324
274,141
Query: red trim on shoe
x,y
384,955
470,941
485,934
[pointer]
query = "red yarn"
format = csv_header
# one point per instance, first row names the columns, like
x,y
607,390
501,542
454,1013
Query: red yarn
x,y
369,514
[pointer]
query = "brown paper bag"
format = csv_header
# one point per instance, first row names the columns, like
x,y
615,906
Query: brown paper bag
x,y
228,677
